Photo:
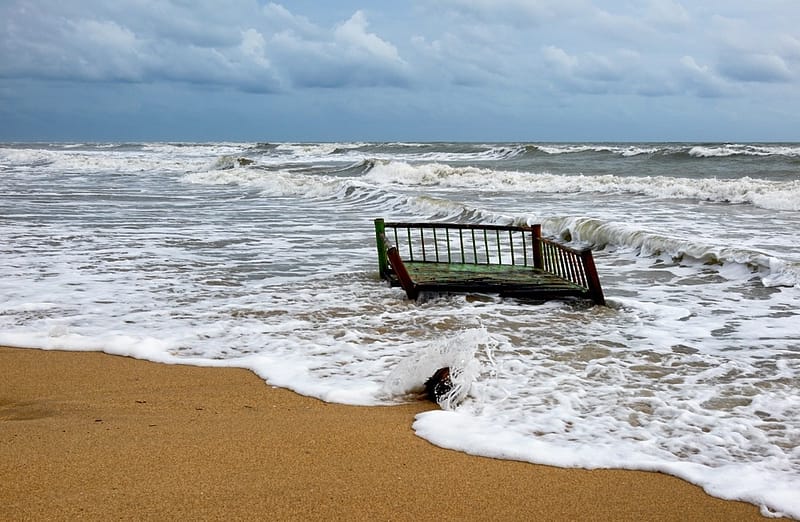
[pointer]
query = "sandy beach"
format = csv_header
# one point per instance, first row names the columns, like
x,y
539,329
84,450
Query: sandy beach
x,y
93,436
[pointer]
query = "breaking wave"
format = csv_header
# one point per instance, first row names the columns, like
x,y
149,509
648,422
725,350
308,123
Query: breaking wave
x,y
772,270
773,195
712,150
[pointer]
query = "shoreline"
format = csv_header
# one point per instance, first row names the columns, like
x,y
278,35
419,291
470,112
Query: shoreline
x,y
98,436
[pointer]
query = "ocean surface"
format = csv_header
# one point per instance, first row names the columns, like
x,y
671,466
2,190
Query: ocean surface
x,y
262,256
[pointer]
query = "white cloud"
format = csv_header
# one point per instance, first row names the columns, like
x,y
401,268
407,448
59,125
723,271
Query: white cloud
x,y
559,59
515,12
353,35
254,46
281,19
346,55
668,14
106,34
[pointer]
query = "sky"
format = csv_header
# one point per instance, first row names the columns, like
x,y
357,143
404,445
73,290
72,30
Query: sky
x,y
435,70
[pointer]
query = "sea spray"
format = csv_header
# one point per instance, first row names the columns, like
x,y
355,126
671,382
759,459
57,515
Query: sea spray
x,y
457,352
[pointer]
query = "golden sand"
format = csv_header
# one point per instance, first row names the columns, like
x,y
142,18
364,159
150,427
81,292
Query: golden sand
x,y
96,437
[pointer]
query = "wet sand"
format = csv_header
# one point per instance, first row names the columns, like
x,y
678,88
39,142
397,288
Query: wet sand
x,y
94,436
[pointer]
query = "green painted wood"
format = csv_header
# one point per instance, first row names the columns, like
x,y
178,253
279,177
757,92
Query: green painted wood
x,y
380,242
444,273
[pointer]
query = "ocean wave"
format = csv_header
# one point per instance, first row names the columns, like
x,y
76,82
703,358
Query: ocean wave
x,y
309,151
264,146
766,194
119,158
227,162
412,152
726,150
276,183
514,153
772,270
427,174
25,158
620,150
287,183
505,152
167,150
383,174
358,168
710,150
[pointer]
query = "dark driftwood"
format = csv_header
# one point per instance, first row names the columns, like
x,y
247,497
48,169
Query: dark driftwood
x,y
438,385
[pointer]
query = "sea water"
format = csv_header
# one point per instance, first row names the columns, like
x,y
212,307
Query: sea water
x,y
262,256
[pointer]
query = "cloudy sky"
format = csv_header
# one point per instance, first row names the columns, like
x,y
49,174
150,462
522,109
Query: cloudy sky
x,y
478,70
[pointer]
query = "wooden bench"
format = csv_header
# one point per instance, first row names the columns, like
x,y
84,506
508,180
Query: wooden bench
x,y
512,261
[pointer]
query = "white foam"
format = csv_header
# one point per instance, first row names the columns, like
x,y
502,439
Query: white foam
x,y
763,193
622,150
721,151
167,158
699,151
464,431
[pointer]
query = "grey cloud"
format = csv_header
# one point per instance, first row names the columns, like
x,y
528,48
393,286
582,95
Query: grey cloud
x,y
514,12
668,15
752,67
654,48
472,56
755,46
241,46
618,73
789,47
699,79
348,55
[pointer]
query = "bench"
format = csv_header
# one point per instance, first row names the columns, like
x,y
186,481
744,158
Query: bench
x,y
512,261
